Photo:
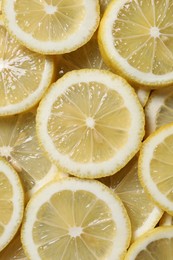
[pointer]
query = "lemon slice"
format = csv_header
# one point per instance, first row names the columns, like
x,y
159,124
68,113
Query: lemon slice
x,y
166,220
155,167
90,123
103,5
14,250
143,213
19,145
156,244
135,39
159,109
75,219
52,27
24,75
11,203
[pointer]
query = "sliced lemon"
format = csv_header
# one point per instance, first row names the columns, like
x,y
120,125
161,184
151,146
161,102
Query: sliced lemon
x,y
19,145
51,27
89,57
14,250
75,219
135,39
143,213
156,167
159,109
166,220
156,244
11,203
24,75
103,5
90,123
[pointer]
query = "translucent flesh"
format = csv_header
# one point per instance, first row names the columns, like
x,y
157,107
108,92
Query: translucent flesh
x,y
67,209
36,18
126,185
19,145
20,70
88,56
159,250
14,250
147,52
165,114
162,167
73,137
6,204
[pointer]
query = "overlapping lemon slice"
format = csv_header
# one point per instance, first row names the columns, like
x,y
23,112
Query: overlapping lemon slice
x,y
11,203
75,219
135,39
90,123
51,27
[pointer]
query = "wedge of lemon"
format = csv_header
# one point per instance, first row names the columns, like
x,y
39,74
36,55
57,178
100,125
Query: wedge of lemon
x,y
24,75
135,39
75,219
155,167
19,145
159,109
52,26
90,123
11,203
143,213
14,250
155,244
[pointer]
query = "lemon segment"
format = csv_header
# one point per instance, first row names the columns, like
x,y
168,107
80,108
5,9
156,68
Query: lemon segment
x,y
75,218
11,203
143,213
155,244
135,40
93,123
24,75
52,27
155,167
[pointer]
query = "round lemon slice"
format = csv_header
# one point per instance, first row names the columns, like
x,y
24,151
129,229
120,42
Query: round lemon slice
x,y
19,145
24,75
75,219
156,244
52,27
155,167
135,39
159,109
11,203
143,213
90,123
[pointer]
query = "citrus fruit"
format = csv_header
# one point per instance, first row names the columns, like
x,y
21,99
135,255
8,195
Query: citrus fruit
x,y
11,203
90,123
143,213
166,220
155,167
75,219
156,244
135,39
159,109
19,145
103,5
24,75
51,27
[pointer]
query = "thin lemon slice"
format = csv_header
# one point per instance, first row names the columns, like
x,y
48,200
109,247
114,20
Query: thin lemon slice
x,y
156,167
75,219
51,26
143,213
24,75
19,145
11,203
89,57
159,109
90,123
156,244
136,40
14,250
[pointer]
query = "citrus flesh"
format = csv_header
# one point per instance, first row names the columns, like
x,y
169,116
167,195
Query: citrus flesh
x,y
90,123
73,219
